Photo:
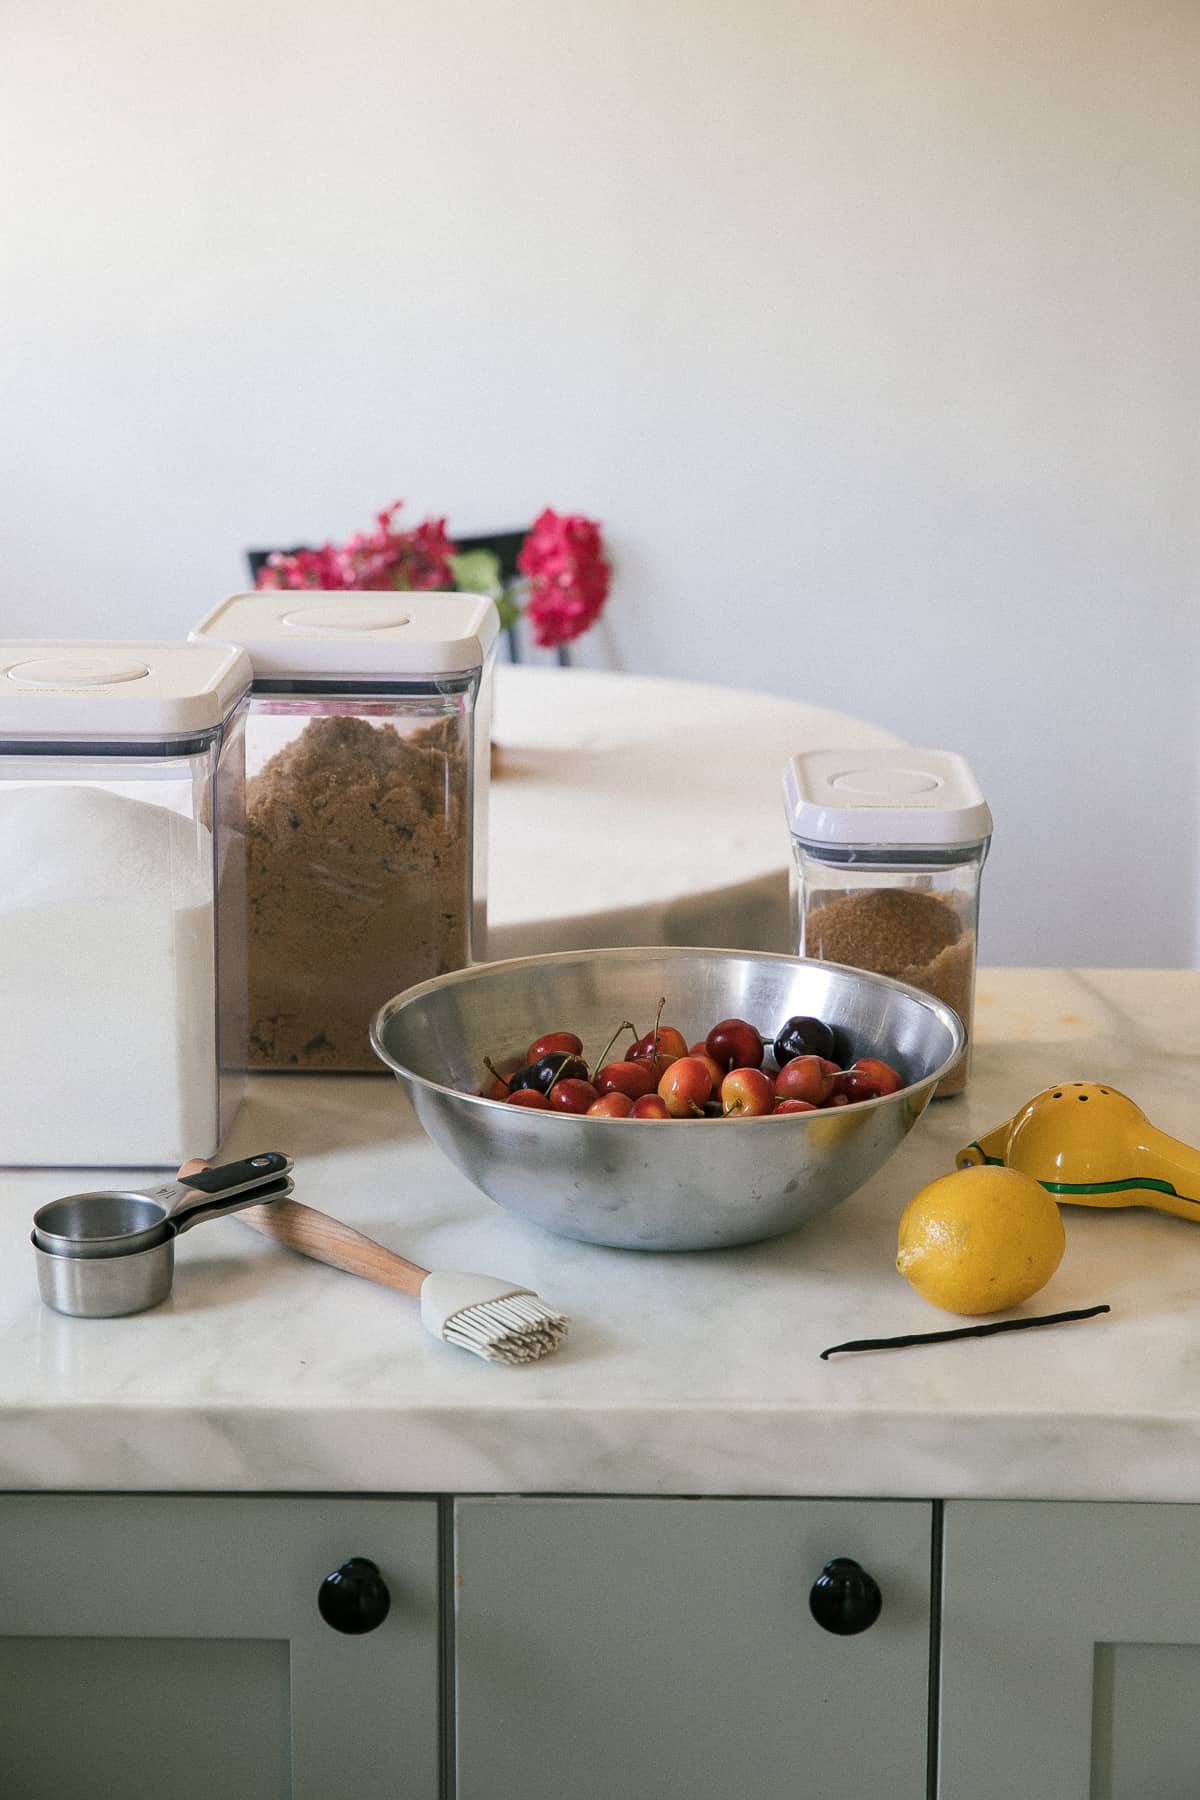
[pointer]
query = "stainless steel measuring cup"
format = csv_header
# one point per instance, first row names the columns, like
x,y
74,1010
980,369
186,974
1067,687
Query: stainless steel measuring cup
x,y
101,1255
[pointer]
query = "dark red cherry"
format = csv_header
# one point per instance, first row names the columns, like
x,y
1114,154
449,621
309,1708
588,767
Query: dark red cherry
x,y
543,1073
802,1036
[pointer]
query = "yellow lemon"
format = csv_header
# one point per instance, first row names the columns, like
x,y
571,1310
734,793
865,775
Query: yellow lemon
x,y
980,1240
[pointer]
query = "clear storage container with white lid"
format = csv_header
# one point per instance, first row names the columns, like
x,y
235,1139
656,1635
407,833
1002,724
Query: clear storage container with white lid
x,y
887,851
368,747
122,901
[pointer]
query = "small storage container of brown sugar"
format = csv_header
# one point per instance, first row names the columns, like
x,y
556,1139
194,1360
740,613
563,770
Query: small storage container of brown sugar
x,y
367,750
888,849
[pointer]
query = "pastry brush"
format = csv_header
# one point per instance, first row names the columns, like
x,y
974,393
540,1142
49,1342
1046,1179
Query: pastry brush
x,y
498,1320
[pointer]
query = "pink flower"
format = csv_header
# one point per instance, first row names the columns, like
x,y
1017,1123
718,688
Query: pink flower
x,y
304,569
563,558
385,558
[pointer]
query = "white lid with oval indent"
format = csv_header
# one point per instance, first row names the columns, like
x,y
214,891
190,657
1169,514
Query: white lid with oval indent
x,y
90,688
381,636
881,797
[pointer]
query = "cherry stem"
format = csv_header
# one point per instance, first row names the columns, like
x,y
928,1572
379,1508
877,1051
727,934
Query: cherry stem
x,y
625,1025
490,1066
657,1022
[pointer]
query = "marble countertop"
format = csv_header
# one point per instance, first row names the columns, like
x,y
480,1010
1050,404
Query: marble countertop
x,y
691,1374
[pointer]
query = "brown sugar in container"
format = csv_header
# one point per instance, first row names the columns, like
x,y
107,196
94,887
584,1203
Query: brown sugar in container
x,y
888,849
367,747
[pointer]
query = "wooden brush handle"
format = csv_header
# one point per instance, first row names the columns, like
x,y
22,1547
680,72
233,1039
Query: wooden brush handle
x,y
327,1240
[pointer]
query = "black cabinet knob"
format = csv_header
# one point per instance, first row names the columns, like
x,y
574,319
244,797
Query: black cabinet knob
x,y
844,1598
355,1597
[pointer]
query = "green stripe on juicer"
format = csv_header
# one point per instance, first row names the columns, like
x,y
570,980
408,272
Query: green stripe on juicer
x,y
1090,1145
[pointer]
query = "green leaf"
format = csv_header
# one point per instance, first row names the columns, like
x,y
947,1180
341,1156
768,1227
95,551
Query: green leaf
x,y
508,609
477,572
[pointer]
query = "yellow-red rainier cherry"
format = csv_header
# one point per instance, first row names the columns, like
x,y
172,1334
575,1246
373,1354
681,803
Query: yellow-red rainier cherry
x,y
747,1094
650,1106
685,1086
632,1078
804,1078
855,1084
886,1079
612,1105
716,1073
670,1046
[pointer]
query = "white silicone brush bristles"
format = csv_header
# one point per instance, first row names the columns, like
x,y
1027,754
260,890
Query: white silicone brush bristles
x,y
490,1318
510,1331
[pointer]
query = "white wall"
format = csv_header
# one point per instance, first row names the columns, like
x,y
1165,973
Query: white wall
x,y
869,327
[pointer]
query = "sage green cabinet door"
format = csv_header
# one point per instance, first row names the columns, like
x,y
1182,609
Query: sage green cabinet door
x,y
172,1649
1070,1652
664,1649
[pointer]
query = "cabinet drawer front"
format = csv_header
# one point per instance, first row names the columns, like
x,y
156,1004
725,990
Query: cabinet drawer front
x,y
174,1647
1070,1651
667,1648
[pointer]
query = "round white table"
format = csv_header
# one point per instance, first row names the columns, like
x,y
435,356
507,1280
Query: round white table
x,y
632,810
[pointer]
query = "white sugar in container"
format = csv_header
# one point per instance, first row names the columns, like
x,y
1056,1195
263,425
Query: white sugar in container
x,y
122,901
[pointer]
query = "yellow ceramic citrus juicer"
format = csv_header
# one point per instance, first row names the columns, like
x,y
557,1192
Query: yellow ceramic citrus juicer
x,y
1089,1145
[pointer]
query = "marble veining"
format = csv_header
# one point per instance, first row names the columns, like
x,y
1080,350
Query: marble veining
x,y
695,1374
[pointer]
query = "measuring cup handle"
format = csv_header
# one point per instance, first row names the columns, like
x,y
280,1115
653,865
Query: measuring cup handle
x,y
190,1213
210,1192
248,1173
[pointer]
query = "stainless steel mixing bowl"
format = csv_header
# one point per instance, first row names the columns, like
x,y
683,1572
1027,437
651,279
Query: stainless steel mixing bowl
x,y
647,1184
